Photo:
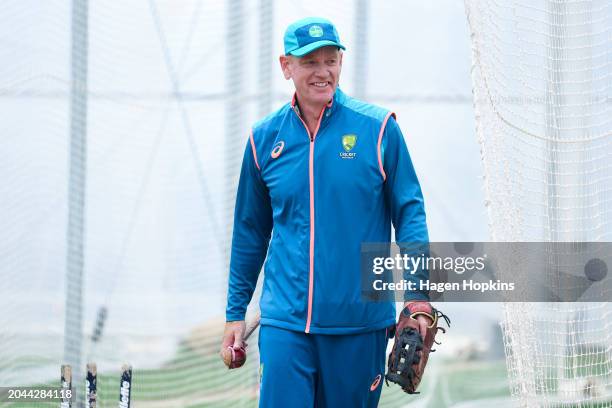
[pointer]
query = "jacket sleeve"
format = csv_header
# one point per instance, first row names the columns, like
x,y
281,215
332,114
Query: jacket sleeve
x,y
405,201
251,237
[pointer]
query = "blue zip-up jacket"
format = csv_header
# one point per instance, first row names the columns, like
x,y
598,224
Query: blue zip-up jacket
x,y
305,204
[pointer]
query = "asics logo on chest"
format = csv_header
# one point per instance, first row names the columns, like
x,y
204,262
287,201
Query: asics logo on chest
x,y
277,149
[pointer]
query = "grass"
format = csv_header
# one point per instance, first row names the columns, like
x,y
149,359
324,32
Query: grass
x,y
450,382
198,379
188,376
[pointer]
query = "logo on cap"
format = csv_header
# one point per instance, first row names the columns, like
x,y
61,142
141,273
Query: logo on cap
x,y
315,31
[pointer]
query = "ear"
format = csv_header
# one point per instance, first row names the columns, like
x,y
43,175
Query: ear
x,y
285,64
339,64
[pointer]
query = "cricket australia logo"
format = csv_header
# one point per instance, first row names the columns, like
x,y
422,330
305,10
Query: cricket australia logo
x,y
348,142
315,31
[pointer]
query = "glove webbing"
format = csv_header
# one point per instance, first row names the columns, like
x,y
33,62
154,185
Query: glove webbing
x,y
410,343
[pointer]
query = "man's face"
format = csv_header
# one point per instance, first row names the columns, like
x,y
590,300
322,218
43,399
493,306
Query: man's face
x,y
314,75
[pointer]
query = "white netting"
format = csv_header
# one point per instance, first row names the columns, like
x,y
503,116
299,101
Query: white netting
x,y
146,161
542,74
146,134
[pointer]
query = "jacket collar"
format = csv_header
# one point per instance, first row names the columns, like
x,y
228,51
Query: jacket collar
x,y
331,107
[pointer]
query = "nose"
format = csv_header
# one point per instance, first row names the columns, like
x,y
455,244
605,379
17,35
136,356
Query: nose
x,y
321,72
322,75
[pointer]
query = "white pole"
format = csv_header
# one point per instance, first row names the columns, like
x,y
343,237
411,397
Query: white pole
x,y
266,57
73,325
361,49
235,107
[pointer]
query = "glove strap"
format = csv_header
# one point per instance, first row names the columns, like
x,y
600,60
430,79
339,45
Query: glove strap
x,y
422,308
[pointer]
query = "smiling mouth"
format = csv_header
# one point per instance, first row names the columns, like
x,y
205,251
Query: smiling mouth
x,y
320,84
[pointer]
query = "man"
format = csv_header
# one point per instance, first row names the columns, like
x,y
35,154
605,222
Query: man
x,y
320,176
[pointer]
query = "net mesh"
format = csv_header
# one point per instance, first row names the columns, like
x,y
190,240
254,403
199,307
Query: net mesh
x,y
165,94
152,207
541,82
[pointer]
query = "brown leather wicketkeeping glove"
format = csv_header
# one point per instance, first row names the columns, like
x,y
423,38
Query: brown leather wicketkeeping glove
x,y
408,358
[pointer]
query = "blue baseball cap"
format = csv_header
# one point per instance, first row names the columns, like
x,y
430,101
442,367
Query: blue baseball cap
x,y
308,34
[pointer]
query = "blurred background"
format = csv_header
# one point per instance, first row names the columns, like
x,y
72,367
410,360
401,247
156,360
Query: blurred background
x,y
122,131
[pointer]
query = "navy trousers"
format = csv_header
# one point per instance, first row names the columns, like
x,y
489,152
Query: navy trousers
x,y
320,370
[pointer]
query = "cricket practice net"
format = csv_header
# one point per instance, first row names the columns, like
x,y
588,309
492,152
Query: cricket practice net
x,y
117,185
123,131
542,77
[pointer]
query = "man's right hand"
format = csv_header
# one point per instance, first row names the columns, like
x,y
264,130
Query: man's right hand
x,y
233,347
